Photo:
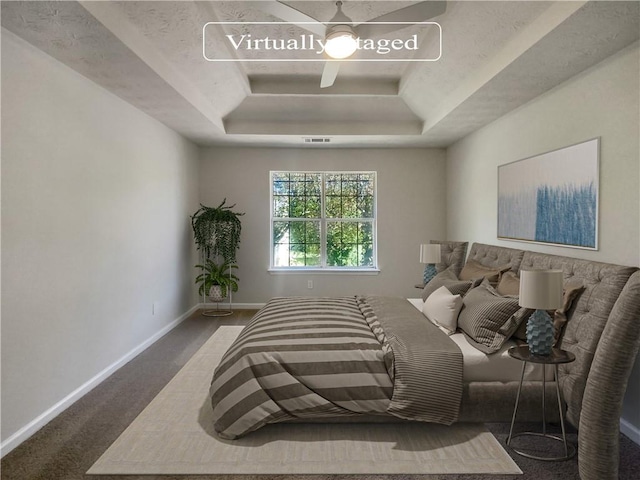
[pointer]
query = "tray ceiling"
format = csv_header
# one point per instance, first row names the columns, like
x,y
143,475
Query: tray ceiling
x,y
495,57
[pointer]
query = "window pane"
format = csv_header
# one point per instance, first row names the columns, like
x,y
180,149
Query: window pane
x,y
313,207
365,232
350,185
313,185
365,255
297,230
365,184
296,207
333,206
296,244
365,246
280,206
281,244
342,244
365,207
312,232
349,207
296,255
312,255
280,232
281,183
333,185
349,232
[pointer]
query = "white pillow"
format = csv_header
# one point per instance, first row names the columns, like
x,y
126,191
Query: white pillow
x,y
442,308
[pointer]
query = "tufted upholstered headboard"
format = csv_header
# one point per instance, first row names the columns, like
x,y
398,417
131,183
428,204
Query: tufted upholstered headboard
x,y
453,255
604,334
493,256
603,284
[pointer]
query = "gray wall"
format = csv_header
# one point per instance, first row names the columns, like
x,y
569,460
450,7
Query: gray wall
x,y
411,210
96,198
601,102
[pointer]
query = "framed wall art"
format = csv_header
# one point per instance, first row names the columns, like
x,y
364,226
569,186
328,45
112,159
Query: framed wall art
x,y
551,198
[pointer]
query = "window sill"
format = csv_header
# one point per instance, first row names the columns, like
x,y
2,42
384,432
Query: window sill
x,y
331,271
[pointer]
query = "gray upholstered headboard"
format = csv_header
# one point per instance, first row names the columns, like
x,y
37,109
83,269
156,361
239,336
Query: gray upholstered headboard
x,y
493,256
604,334
599,434
453,255
603,284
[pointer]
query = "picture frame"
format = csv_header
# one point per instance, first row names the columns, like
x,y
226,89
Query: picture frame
x,y
552,198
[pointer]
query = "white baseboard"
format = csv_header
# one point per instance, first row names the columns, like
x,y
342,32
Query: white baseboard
x,y
233,306
630,430
36,424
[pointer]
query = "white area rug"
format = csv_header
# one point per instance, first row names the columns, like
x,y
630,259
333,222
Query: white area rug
x,y
173,435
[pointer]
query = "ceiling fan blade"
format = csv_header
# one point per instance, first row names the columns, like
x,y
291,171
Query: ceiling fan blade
x,y
292,15
329,74
420,12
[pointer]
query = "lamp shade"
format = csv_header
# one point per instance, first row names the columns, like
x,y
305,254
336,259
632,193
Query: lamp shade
x,y
430,253
541,289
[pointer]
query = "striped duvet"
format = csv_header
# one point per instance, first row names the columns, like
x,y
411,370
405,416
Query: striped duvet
x,y
304,357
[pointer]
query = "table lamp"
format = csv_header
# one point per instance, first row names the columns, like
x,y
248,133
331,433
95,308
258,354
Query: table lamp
x,y
430,255
540,290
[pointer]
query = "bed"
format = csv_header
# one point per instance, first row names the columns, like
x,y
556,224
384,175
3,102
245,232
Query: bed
x,y
376,344
321,358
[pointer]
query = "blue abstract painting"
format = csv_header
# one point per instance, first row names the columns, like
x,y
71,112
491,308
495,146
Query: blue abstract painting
x,y
551,198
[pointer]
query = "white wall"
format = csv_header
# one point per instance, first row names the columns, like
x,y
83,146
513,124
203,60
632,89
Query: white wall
x,y
411,210
602,102
96,198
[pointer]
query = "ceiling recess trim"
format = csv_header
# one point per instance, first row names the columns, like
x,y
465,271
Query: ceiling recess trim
x,y
113,19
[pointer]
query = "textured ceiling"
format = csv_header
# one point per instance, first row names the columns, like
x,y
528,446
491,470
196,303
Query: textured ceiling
x,y
495,57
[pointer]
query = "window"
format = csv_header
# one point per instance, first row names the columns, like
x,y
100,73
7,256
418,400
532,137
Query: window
x,y
323,220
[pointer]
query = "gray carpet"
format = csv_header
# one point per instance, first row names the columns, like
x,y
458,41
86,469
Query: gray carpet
x,y
68,446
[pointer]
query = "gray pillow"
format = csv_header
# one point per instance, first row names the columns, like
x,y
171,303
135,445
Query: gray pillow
x,y
488,319
446,278
473,269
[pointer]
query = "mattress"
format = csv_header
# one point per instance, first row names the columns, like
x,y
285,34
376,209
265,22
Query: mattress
x,y
496,367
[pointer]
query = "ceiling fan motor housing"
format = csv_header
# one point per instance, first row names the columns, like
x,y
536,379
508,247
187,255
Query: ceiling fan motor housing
x,y
340,17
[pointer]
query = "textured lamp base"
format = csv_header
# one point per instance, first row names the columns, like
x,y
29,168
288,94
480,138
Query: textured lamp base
x,y
429,273
540,333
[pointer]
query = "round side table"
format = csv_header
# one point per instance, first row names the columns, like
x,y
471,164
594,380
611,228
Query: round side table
x,y
555,358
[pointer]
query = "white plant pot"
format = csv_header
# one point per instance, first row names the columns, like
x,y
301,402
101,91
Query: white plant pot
x,y
215,294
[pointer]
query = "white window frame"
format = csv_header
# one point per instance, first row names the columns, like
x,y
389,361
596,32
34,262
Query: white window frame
x,y
323,267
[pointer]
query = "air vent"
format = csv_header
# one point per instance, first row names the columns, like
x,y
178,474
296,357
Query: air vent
x,y
316,140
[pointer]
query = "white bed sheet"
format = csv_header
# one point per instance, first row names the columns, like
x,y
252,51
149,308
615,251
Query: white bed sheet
x,y
497,367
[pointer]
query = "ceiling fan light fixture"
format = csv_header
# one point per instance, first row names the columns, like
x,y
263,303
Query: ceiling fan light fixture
x,y
340,42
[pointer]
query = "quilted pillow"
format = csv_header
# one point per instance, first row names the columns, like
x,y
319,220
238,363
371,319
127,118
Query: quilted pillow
x,y
473,270
442,308
488,319
509,284
448,279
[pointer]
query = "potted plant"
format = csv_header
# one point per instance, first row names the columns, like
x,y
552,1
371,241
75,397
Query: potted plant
x,y
216,280
217,231
217,235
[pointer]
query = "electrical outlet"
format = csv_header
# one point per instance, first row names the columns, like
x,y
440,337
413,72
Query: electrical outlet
x,y
154,308
309,283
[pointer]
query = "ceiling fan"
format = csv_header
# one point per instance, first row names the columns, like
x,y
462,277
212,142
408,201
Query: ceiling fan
x,y
341,34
